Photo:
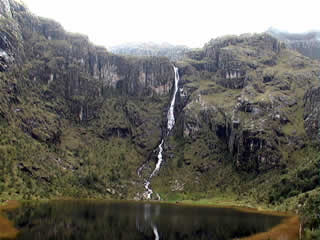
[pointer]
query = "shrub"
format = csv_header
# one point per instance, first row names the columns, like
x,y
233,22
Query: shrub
x,y
311,212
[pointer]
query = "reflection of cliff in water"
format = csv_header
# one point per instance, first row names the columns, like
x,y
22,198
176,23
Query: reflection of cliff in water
x,y
95,220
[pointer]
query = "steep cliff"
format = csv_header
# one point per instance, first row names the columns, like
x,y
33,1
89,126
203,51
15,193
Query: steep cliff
x,y
255,87
76,120
307,44
246,122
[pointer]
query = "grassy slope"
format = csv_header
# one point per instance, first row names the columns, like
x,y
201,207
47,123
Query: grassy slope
x,y
281,188
84,162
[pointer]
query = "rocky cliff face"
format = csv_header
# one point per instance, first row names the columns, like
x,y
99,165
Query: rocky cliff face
x,y
71,68
307,44
246,103
249,94
76,120
312,113
53,84
58,51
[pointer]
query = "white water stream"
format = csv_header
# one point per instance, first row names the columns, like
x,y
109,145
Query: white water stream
x,y
160,159
171,121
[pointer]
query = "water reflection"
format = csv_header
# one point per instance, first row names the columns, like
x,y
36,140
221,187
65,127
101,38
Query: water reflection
x,y
155,231
150,213
131,220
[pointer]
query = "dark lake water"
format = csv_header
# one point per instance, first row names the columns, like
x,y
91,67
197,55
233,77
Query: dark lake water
x,y
135,220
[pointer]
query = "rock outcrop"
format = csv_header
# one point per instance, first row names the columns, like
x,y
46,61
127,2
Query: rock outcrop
x,y
71,66
312,113
231,58
253,98
307,44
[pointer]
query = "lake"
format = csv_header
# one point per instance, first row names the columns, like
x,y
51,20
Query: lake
x,y
115,220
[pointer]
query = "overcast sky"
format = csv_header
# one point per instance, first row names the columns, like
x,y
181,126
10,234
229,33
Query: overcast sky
x,y
186,22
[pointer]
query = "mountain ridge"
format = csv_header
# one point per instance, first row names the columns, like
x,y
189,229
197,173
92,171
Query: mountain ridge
x,y
78,121
307,43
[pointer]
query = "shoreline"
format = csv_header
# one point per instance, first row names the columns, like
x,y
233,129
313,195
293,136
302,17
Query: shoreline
x,y
288,229
7,229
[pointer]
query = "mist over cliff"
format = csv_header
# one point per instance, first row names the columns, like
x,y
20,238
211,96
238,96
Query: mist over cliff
x,y
307,43
149,49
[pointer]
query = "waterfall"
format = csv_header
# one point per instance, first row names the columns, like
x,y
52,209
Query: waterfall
x,y
171,120
170,124
149,191
160,159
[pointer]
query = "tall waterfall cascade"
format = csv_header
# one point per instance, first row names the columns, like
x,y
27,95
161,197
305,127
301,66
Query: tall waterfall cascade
x,y
171,120
170,124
